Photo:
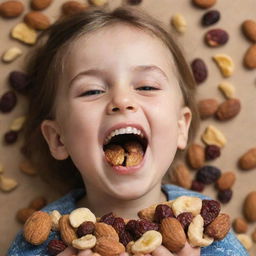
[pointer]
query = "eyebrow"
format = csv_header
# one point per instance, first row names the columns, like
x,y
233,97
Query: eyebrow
x,y
141,68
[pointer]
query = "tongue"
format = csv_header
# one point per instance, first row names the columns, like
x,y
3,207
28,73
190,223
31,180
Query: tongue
x,y
127,154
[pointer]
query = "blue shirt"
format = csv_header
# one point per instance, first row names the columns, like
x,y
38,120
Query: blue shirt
x,y
229,246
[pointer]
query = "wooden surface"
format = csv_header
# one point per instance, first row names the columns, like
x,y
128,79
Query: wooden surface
x,y
240,132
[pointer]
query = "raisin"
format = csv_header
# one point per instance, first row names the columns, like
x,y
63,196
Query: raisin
x,y
134,2
8,101
55,247
210,18
10,137
185,219
199,70
208,174
197,186
216,37
212,152
225,196
130,226
162,211
119,225
19,81
85,228
108,218
125,237
141,226
209,211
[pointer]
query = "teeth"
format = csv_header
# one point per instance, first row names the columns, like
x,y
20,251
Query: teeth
x,y
127,130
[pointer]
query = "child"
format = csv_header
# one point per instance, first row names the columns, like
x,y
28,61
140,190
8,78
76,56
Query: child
x,y
100,74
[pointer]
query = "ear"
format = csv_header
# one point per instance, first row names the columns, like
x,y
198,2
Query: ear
x,y
183,126
52,135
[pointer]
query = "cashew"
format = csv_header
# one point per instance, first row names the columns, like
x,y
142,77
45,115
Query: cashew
x,y
80,215
245,240
11,54
225,64
84,242
212,136
24,33
17,123
55,216
179,23
7,184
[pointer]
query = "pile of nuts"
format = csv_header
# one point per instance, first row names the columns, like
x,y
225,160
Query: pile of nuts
x,y
171,224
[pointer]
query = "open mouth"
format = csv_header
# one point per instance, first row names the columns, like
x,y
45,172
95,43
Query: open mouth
x,y
125,150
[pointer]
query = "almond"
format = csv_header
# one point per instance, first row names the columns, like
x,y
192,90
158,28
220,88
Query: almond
x,y
207,107
248,160
228,109
37,228
204,4
219,228
181,176
226,181
67,232
196,156
11,9
37,20
38,203
250,57
40,4
108,247
240,225
249,206
104,230
26,167
72,7
249,29
23,214
174,237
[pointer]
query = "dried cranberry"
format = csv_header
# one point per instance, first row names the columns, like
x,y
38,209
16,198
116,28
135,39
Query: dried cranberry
x,y
19,81
185,219
197,186
209,211
208,174
125,237
134,2
162,211
199,70
225,196
210,17
8,101
10,137
55,247
85,228
142,226
108,218
119,225
131,225
212,152
216,37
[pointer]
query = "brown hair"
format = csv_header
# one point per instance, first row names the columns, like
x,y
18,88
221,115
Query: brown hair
x,y
44,68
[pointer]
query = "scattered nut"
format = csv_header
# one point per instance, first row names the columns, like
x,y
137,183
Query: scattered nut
x,y
26,167
80,215
249,207
227,89
240,225
226,180
37,20
216,37
72,7
55,216
179,23
225,64
204,4
24,33
84,242
11,9
245,240
17,123
248,160
207,107
40,4
250,57
213,136
228,109
11,54
249,29
38,203
23,214
7,184
196,156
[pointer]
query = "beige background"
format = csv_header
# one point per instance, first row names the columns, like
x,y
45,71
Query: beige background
x,y
240,132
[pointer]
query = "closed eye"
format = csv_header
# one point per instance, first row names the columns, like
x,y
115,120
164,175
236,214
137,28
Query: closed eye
x,y
147,88
91,92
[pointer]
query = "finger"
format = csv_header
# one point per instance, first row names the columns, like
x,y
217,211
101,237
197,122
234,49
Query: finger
x,y
161,251
124,254
69,251
87,252
189,250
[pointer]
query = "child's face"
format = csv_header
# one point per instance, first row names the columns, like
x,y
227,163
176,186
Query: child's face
x,y
116,63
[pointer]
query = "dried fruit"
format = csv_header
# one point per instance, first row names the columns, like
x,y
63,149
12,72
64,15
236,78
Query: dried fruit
x,y
10,137
55,216
208,174
40,4
216,37
55,247
212,152
24,33
219,228
185,219
23,214
84,242
8,101
80,215
162,211
199,70
196,236
196,156
103,229
249,29
179,23
213,136
7,184
210,210
197,186
226,180
149,241
38,203
27,168
19,81
125,237
207,107
37,228
225,195
204,3
108,247
85,228
11,54
228,109
225,64
108,218
248,160
72,7
249,207
174,237
210,17
245,240
119,225
11,9
67,232
37,20
240,225
227,89
143,226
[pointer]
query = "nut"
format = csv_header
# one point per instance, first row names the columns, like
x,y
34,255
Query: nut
x,y
115,154
37,228
250,57
67,232
216,37
11,54
84,242
17,123
249,29
11,9
196,156
195,233
37,20
228,109
227,89
204,3
55,216
80,215
225,64
240,225
179,23
108,247
249,206
226,180
207,107
26,167
187,204
38,203
181,176
72,7
7,184
248,160
99,2
24,33
212,136
210,18
23,214
149,241
245,240
199,70
40,4
105,230
219,228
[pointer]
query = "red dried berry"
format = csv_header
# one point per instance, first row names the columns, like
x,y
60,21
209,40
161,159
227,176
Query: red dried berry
x,y
212,152
119,225
10,137
125,237
185,219
197,186
162,211
8,101
55,247
142,226
85,228
210,17
108,218
216,37
199,70
208,174
209,211
130,226
19,81
225,196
